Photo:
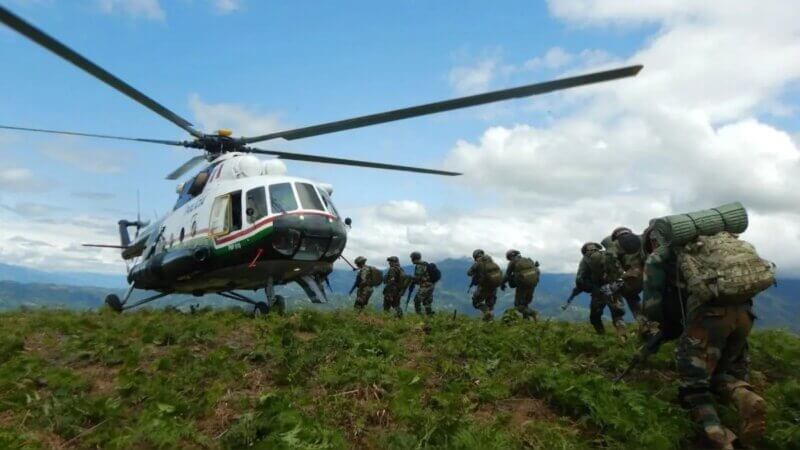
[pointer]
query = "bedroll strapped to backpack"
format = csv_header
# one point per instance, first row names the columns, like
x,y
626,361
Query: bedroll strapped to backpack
x,y
526,272
491,275
374,276
724,269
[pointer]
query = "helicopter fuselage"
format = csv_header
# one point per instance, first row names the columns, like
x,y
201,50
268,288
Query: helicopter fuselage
x,y
241,229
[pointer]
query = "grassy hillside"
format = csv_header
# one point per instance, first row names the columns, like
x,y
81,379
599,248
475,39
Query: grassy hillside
x,y
316,380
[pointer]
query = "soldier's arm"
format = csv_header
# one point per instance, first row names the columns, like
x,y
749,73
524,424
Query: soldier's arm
x,y
356,282
472,269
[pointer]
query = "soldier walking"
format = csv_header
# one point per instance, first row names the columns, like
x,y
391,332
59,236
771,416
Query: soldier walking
x,y
487,277
599,274
712,350
422,278
627,247
523,274
395,282
362,283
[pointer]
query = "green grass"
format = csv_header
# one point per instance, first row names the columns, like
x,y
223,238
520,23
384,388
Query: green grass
x,y
312,380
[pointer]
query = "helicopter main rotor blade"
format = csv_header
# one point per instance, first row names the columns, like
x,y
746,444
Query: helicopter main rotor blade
x,y
18,24
449,105
345,162
102,136
185,167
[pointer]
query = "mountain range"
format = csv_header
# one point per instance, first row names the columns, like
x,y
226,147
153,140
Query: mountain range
x,y
25,287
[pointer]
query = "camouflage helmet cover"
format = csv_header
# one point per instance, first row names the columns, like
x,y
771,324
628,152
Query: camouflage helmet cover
x,y
393,259
619,231
590,246
629,243
360,260
511,253
415,256
477,253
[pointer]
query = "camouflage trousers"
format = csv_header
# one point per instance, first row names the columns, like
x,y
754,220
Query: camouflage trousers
x,y
424,297
362,297
633,300
712,357
598,305
523,296
391,300
484,299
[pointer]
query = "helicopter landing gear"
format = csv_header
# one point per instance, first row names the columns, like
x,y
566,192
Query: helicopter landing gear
x,y
260,307
274,301
113,302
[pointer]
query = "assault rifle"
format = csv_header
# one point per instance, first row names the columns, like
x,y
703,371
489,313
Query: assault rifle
x,y
576,291
472,284
410,291
650,347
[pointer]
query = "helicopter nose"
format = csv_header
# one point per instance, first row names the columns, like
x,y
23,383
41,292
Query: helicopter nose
x,y
308,237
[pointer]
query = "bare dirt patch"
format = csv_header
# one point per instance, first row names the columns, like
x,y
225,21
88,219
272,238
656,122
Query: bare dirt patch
x,y
42,344
102,379
521,411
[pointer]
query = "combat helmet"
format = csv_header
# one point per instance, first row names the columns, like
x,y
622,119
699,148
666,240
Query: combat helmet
x,y
415,256
511,254
619,231
393,259
629,243
360,261
590,246
477,254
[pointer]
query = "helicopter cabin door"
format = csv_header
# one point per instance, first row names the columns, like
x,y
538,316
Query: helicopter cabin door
x,y
226,214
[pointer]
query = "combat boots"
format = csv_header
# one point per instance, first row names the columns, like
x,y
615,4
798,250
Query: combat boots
x,y
717,435
752,414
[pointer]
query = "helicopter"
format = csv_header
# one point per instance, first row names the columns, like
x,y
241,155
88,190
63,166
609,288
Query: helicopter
x,y
237,226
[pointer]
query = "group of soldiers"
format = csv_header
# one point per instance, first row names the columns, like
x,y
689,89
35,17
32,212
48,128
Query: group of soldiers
x,y
712,338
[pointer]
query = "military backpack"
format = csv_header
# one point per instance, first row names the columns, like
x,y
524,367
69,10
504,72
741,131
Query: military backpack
x,y
723,269
490,274
374,276
526,272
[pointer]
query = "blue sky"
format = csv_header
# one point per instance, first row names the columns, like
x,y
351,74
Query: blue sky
x,y
289,64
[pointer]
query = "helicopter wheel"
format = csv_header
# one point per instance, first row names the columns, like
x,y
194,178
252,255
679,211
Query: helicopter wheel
x,y
279,304
113,302
262,309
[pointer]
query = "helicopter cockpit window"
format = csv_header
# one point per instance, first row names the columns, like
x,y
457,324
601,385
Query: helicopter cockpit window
x,y
255,204
328,202
281,198
308,197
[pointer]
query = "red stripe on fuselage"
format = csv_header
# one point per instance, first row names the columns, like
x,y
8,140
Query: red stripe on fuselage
x,y
258,225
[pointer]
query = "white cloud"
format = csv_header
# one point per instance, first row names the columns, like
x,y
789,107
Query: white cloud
x,y
554,58
138,9
19,179
227,6
474,78
70,150
242,120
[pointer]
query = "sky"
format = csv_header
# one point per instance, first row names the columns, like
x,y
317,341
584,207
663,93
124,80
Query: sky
x,y
712,118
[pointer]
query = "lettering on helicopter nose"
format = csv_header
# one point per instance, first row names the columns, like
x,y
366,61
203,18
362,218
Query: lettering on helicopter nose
x,y
194,204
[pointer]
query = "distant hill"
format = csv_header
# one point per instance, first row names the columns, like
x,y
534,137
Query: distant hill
x,y
779,307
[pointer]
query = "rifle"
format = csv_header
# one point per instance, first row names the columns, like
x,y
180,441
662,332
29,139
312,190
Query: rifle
x,y
471,285
576,291
650,347
410,291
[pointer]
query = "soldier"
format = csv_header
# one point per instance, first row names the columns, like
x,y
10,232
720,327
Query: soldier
x,y
487,276
395,282
421,278
712,350
523,274
627,247
362,284
598,274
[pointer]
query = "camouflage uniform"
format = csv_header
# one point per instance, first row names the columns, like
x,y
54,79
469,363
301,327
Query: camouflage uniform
x,y
484,297
364,289
632,266
523,295
424,296
711,353
393,288
592,281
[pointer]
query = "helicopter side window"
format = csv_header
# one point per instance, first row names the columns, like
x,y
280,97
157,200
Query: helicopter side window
x,y
281,198
256,204
226,214
328,202
308,196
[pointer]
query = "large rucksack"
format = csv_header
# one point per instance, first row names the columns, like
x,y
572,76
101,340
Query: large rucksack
x,y
434,274
490,274
526,272
724,269
374,276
